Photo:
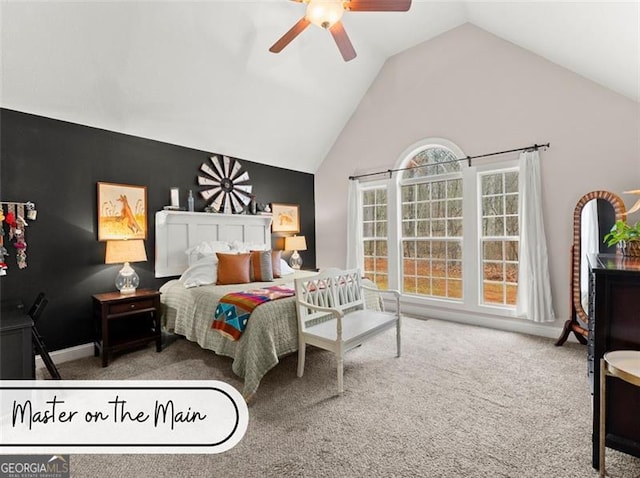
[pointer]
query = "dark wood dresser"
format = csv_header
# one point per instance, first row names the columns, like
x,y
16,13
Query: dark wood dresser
x,y
16,350
614,325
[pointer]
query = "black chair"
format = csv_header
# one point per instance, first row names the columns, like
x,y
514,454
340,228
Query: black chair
x,y
35,312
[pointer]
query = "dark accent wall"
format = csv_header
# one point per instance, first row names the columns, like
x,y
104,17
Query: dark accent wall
x,y
56,165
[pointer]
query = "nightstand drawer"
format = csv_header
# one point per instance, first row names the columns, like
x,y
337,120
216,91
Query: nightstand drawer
x,y
130,306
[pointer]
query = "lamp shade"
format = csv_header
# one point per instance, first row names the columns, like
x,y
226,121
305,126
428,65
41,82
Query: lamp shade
x,y
125,251
295,243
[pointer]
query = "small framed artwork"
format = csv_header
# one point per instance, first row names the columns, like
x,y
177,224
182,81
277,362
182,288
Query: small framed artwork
x,y
286,217
122,212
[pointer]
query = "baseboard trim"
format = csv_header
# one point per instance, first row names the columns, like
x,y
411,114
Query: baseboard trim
x,y
479,320
417,311
66,355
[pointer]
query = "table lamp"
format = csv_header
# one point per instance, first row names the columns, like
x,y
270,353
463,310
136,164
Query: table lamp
x,y
295,244
126,251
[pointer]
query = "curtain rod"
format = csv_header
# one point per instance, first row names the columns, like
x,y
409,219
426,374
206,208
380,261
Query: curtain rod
x,y
390,172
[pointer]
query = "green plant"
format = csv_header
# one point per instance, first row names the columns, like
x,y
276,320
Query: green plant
x,y
622,232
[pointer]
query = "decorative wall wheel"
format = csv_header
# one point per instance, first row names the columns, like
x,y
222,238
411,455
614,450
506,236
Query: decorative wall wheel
x,y
227,194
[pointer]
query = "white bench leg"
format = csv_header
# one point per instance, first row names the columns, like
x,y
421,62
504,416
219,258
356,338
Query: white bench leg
x,y
301,352
340,360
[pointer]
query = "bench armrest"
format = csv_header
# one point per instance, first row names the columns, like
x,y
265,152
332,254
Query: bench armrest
x,y
337,312
395,293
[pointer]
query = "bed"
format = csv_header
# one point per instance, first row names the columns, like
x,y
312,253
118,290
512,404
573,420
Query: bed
x,y
272,329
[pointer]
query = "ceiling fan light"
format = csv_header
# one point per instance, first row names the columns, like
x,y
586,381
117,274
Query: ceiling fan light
x,y
324,13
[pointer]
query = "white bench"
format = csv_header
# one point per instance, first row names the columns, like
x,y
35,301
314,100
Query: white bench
x,y
332,315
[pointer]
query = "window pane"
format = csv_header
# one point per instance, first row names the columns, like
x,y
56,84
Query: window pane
x,y
493,250
368,213
423,228
511,250
454,208
493,271
511,272
454,270
423,210
369,248
493,226
454,227
493,293
439,287
423,267
423,191
511,204
409,249
422,249
381,229
409,284
368,197
439,190
454,289
511,292
409,267
512,226
438,209
511,182
438,228
408,211
438,269
424,286
367,229
438,249
492,206
408,228
408,193
454,251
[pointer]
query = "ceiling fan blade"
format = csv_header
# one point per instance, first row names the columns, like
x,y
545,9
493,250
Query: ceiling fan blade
x,y
342,40
378,5
290,35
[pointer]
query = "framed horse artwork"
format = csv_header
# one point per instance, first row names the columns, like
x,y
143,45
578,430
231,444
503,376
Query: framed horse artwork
x,y
122,211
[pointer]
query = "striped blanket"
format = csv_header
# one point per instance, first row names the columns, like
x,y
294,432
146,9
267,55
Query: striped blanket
x,y
234,309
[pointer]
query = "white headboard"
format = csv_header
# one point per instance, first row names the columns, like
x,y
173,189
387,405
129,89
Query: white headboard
x,y
177,231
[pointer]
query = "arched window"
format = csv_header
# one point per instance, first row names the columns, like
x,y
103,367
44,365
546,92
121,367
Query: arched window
x,y
431,195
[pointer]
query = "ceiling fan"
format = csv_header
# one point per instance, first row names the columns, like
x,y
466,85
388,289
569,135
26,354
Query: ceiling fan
x,y
327,14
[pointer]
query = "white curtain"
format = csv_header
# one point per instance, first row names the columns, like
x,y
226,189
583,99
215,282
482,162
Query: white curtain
x,y
589,244
534,286
354,234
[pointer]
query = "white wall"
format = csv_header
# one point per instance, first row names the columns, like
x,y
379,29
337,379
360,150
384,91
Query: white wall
x,y
485,95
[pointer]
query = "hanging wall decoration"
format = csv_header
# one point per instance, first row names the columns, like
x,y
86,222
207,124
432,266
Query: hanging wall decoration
x,y
227,191
15,220
122,212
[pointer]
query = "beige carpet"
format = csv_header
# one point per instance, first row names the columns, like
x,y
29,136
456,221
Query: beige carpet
x,y
461,402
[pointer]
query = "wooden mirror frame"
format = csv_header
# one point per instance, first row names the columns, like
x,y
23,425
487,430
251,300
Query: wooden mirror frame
x,y
577,311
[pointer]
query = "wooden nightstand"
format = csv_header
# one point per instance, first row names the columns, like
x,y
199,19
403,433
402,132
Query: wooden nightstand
x,y
126,321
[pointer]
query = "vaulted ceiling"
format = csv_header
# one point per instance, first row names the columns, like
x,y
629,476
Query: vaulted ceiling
x,y
199,74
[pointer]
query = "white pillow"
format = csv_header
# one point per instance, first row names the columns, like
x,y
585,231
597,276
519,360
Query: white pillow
x,y
203,272
206,248
285,268
240,246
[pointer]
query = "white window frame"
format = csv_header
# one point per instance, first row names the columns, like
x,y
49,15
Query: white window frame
x,y
362,188
503,167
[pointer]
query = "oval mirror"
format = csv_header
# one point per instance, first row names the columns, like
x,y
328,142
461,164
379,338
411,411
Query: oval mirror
x,y
593,217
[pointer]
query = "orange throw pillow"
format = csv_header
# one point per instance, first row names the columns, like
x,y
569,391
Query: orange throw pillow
x,y
233,268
